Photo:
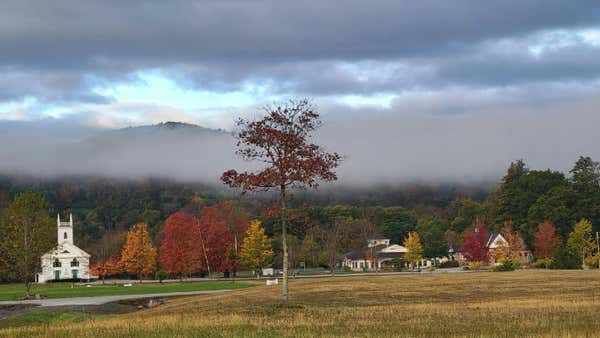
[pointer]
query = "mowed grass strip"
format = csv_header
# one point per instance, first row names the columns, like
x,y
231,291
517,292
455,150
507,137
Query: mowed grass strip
x,y
65,290
512,304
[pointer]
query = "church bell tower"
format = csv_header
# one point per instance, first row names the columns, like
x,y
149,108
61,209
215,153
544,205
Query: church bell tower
x,y
65,230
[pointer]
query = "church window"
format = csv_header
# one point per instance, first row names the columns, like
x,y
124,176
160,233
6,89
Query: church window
x,y
65,235
56,263
74,262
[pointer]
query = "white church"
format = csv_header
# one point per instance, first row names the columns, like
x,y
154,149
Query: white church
x,y
66,261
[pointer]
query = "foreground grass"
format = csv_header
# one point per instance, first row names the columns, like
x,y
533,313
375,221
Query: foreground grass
x,y
513,304
64,290
49,317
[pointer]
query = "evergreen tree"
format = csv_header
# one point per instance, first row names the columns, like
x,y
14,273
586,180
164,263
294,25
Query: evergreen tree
x,y
586,184
432,232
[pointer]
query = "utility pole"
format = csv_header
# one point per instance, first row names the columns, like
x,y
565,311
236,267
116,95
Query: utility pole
x,y
598,245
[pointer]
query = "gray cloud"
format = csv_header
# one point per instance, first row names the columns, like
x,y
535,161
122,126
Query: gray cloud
x,y
50,49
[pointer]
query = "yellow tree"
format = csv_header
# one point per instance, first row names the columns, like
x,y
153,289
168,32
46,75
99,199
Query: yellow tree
x,y
138,256
257,251
580,242
415,250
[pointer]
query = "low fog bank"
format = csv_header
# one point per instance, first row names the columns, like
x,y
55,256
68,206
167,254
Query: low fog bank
x,y
379,148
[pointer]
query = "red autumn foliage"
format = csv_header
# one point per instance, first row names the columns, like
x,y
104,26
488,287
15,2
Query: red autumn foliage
x,y
216,240
282,140
179,251
546,241
106,268
475,247
237,220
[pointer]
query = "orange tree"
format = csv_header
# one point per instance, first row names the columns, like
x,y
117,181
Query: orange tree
x,y
138,256
281,141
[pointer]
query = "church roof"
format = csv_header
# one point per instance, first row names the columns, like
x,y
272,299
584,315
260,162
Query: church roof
x,y
66,250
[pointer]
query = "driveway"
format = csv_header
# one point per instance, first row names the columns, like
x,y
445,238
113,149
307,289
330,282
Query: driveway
x,y
99,300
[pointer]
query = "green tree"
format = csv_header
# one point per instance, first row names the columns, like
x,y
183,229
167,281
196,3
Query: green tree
x,y
398,222
581,243
519,191
257,250
26,233
415,250
557,206
432,232
463,213
585,178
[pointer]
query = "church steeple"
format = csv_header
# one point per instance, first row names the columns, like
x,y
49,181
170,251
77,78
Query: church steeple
x,y
64,230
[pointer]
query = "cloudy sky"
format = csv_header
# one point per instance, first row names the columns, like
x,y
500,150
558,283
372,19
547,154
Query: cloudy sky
x,y
450,80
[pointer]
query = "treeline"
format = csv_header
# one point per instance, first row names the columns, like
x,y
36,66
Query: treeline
x,y
319,233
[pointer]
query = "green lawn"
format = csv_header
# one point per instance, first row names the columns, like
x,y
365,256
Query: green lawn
x,y
64,290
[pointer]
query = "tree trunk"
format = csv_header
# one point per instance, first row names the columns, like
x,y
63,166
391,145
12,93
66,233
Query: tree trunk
x,y
203,248
284,245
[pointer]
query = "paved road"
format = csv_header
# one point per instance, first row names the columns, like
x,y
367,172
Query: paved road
x,y
99,300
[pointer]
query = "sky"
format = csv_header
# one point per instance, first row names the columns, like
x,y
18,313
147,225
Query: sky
x,y
453,89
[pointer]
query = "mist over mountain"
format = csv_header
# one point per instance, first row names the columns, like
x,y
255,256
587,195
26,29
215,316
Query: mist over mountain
x,y
379,149
170,150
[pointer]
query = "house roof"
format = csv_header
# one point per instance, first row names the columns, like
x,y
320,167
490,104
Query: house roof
x,y
495,240
382,251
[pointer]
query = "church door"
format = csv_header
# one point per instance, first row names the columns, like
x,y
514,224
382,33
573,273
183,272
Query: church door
x,y
57,274
74,274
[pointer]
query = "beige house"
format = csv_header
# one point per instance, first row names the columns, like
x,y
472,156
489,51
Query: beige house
x,y
497,242
373,256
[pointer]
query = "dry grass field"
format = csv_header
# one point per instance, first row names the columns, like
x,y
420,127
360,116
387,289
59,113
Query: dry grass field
x,y
511,304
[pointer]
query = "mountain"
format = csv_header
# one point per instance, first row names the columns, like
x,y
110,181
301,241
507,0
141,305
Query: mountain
x,y
176,150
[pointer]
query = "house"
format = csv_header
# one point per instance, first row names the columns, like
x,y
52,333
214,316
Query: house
x,y
497,241
373,256
455,254
66,261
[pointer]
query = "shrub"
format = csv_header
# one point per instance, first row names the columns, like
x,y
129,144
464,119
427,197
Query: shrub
x,y
161,275
508,265
449,264
592,261
475,265
543,263
565,260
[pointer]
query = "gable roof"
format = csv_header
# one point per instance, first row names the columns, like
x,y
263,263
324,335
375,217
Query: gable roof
x,y
66,250
495,240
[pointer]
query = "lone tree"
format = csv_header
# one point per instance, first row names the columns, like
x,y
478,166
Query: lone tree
x,y
281,140
26,233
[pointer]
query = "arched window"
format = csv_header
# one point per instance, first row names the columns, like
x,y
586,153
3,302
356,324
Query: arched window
x,y
56,263
74,262
65,235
